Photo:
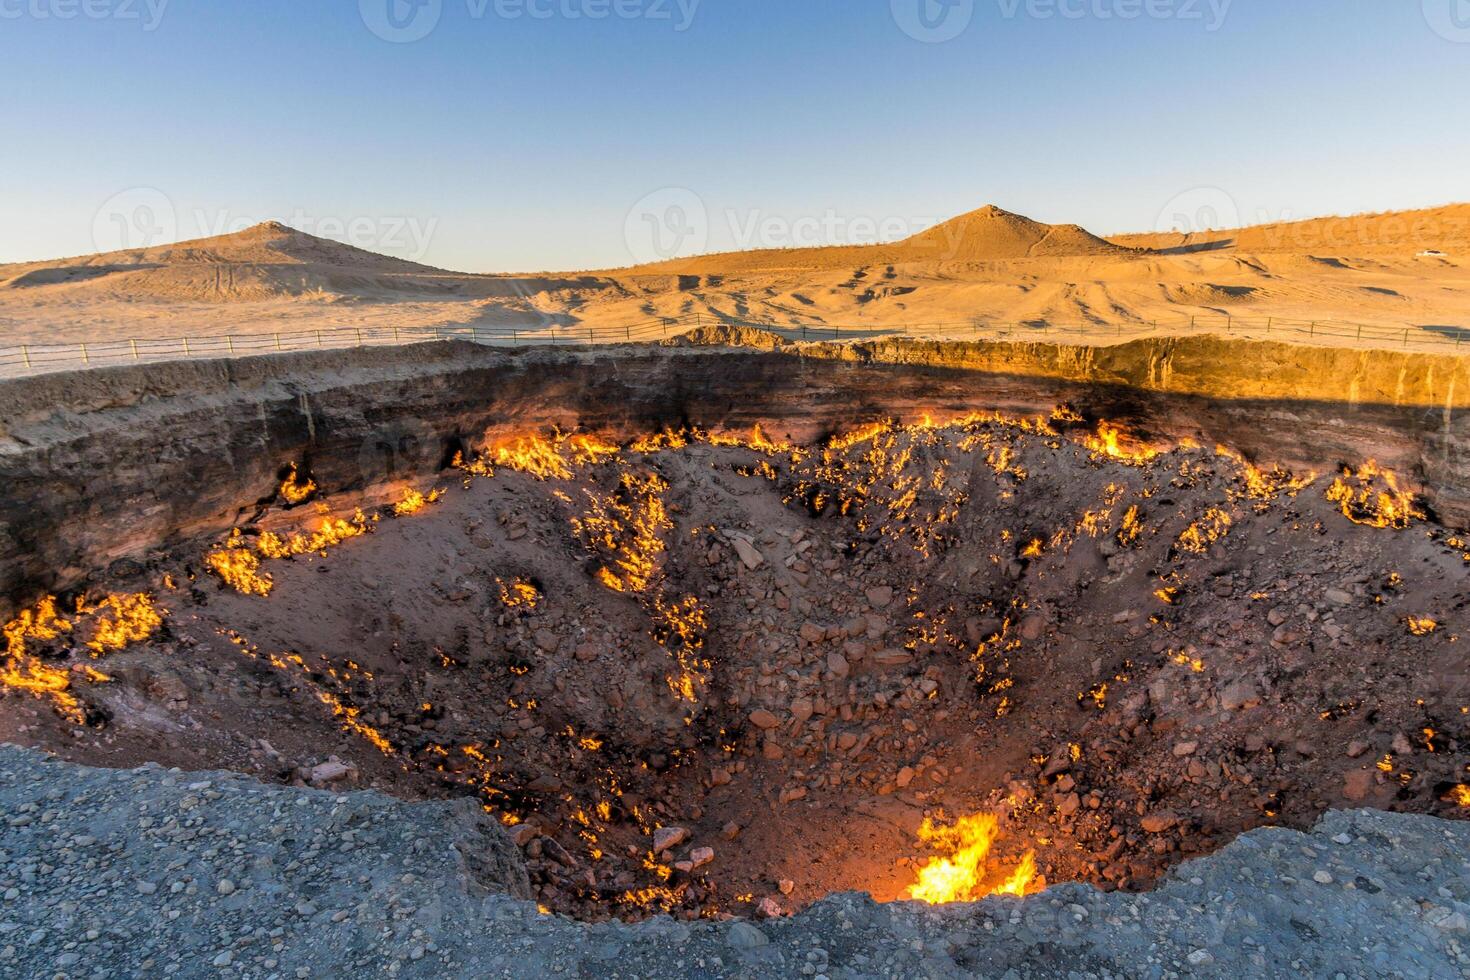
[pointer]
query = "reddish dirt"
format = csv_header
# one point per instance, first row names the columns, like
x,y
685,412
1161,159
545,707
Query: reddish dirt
x,y
822,649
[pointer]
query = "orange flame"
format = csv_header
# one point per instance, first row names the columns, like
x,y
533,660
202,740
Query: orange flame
x,y
1114,442
133,618
293,491
414,501
1422,625
962,875
1367,504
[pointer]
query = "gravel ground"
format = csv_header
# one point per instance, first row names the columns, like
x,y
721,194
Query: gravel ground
x,y
153,872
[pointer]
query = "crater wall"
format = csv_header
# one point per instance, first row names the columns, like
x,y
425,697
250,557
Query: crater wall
x,y
100,468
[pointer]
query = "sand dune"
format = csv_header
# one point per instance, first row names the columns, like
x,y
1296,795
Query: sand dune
x,y
988,266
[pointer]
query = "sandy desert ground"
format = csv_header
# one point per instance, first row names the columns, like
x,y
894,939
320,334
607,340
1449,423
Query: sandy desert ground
x,y
1403,274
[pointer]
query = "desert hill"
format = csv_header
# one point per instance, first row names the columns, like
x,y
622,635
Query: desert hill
x,y
1404,233
989,266
987,234
265,261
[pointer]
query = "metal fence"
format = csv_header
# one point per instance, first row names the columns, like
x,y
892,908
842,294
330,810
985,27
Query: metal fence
x,y
28,359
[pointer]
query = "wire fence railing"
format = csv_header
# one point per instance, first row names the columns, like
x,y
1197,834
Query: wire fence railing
x,y
26,359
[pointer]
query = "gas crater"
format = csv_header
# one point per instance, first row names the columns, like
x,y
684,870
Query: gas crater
x,y
715,669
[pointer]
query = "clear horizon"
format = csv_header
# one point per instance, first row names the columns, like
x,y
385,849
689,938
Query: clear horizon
x,y
522,135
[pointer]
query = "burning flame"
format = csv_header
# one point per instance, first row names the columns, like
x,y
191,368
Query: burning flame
x,y
132,618
1459,795
413,501
24,672
1422,625
1388,507
1114,442
293,491
627,526
333,531
962,875
239,568
519,594
533,455
1204,532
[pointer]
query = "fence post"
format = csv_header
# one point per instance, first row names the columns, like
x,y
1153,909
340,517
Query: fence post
x,y
278,341
395,335
589,335
628,330
1268,324
1360,331
186,346
515,338
134,342
1312,330
1406,337
25,352
85,359
230,343
359,336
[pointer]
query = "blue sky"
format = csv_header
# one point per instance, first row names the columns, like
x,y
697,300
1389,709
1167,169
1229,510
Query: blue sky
x,y
505,141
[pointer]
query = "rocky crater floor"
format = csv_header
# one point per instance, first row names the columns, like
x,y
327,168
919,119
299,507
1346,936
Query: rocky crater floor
x,y
711,674
155,872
